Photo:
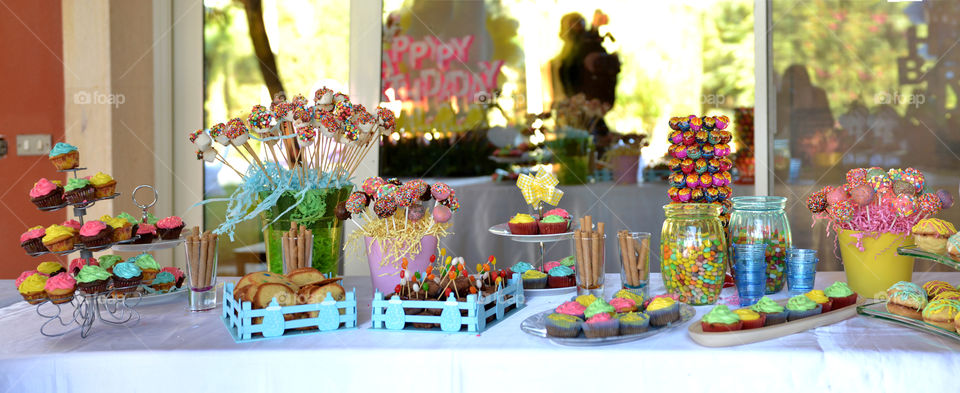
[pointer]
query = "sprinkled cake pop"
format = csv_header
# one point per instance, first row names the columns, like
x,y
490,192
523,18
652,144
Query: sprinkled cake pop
x,y
929,203
418,188
915,177
817,201
327,124
879,182
905,205
440,191
385,207
903,187
451,202
842,211
371,185
862,194
857,176
306,135
387,189
357,202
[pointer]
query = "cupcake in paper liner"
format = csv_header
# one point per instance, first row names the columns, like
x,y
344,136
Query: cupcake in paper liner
x,y
553,223
601,325
629,294
95,234
163,282
818,296
126,276
149,266
31,288
571,308
772,311
521,267
93,279
64,156
561,277
599,306
103,185
169,228
32,240
46,194
534,279
750,319
634,323
800,306
523,224
60,288
623,305
50,268
58,238
721,319
840,294
663,311
585,300
563,325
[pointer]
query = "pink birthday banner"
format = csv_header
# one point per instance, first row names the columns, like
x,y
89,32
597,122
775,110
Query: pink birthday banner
x,y
436,70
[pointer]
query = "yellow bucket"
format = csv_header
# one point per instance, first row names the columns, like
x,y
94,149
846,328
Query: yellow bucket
x,y
871,271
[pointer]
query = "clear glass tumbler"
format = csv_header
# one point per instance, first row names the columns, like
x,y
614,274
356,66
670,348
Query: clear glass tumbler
x,y
801,270
634,261
590,264
202,273
750,265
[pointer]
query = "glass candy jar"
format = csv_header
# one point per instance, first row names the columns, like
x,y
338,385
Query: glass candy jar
x,y
693,252
762,220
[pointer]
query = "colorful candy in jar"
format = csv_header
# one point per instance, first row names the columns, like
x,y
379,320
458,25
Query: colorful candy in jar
x,y
694,270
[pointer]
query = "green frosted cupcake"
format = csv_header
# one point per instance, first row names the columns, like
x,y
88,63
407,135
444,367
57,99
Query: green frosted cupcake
x,y
800,306
634,323
774,312
563,325
599,306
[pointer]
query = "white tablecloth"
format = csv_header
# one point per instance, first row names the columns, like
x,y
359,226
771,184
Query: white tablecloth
x,y
173,349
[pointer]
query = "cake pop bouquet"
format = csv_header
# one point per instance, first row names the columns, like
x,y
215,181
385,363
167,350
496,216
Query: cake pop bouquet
x,y
874,201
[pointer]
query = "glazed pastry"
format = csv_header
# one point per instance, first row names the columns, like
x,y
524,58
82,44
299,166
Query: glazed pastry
x,y
936,287
103,185
78,190
721,319
60,288
818,296
953,246
800,306
941,313
50,268
750,319
663,311
906,299
931,235
534,279
46,194
772,311
955,295
523,224
32,240
58,238
169,228
64,156
31,288
96,234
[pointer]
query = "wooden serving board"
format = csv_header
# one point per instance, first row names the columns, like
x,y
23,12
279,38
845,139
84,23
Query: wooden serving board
x,y
741,337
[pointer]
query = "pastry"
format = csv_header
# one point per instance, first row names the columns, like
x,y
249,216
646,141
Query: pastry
x,y
78,190
96,234
721,319
818,296
840,295
662,311
800,306
906,299
107,262
146,233
79,263
169,228
314,293
750,319
163,281
955,295
32,240
46,194
126,277
554,223
772,311
953,246
284,295
58,238
305,275
50,268
178,275
931,235
634,323
104,186
623,305
32,288
598,306
560,277
571,308
149,266
941,313
534,279
64,156
563,325
60,288
601,325
523,224
92,279
936,287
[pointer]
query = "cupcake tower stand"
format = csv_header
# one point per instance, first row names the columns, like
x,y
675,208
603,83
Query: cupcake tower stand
x,y
504,230
87,308
879,309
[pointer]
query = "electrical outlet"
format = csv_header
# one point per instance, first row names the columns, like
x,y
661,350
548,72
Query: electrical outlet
x,y
33,145
3,146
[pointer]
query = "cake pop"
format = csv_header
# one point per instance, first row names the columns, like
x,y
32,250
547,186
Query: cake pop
x,y
905,205
817,201
903,187
929,203
836,195
440,191
842,211
857,176
371,185
862,195
386,189
357,202
441,214
946,200
415,212
385,207
341,211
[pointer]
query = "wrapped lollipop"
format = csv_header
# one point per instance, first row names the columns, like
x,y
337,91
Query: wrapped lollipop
x,y
722,122
674,193
678,151
693,180
714,137
677,179
700,166
695,126
683,195
689,138
687,166
709,123
708,151
674,164
697,195
676,137
711,194
700,137
674,124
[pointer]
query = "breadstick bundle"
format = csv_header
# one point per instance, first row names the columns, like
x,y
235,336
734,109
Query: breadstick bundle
x,y
589,246
202,259
634,258
297,247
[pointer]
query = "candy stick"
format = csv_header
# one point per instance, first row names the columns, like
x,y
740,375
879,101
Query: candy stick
x,y
211,256
193,247
643,258
301,248
201,269
309,245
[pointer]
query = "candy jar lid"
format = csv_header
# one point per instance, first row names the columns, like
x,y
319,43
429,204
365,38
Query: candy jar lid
x,y
759,203
692,210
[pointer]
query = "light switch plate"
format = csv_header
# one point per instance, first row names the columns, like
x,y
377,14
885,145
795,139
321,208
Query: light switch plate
x,y
33,144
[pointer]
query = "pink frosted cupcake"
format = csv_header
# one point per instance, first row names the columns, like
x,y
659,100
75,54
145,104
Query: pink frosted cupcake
x,y
177,275
169,228
79,263
46,194
74,226
146,232
623,305
23,276
96,233
60,288
571,308
32,240
554,221
601,325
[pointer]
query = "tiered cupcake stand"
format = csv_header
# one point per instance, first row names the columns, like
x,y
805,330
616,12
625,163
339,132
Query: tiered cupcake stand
x,y
879,309
504,231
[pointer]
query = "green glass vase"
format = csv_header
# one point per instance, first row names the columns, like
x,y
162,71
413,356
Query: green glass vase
x,y
327,229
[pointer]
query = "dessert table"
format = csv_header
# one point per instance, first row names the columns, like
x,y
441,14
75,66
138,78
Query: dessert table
x,y
173,348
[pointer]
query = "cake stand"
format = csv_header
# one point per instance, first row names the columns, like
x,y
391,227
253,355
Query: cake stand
x,y
504,231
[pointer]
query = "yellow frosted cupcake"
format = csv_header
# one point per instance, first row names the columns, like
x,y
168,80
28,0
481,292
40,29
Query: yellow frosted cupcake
x,y
59,238
103,185
122,229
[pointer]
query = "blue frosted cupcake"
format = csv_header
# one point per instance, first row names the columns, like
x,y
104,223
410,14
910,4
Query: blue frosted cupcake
x,y
601,325
774,312
634,323
800,306
662,311
563,325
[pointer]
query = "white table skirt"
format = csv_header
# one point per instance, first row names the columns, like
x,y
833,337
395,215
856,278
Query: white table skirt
x,y
172,349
